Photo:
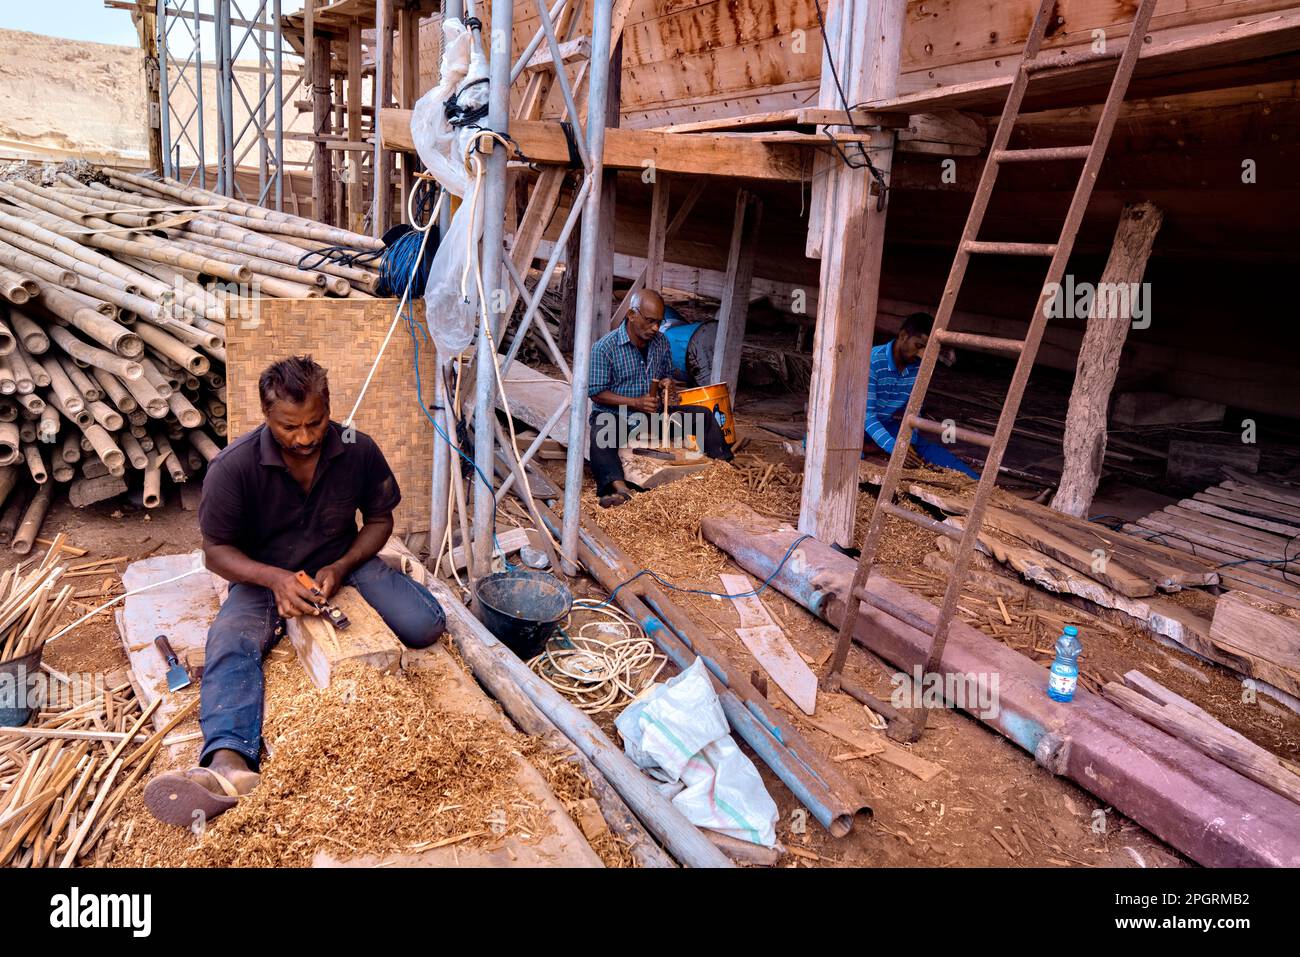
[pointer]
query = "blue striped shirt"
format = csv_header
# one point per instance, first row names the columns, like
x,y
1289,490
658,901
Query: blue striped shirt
x,y
618,366
887,393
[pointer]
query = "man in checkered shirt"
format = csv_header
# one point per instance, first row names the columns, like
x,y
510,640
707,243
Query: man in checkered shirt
x,y
629,369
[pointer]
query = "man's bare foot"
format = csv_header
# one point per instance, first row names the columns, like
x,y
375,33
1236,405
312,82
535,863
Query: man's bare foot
x,y
231,766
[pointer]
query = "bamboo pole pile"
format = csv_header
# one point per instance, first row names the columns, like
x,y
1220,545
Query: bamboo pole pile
x,y
115,293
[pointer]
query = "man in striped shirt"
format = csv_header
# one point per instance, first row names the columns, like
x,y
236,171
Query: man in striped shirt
x,y
630,368
894,365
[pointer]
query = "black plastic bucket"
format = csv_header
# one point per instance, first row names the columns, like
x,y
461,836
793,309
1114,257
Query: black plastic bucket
x,y
17,679
522,608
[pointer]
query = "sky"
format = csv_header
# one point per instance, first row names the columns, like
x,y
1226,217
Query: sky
x,y
91,20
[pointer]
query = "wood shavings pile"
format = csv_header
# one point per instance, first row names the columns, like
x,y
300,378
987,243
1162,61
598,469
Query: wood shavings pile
x,y
902,545
661,528
370,765
571,786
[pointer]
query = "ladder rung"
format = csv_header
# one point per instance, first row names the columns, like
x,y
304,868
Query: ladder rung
x,y
895,611
1045,154
925,521
1009,249
1078,57
969,340
960,434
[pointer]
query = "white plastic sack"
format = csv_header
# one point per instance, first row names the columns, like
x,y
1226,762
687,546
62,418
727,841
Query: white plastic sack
x,y
677,732
440,145
452,316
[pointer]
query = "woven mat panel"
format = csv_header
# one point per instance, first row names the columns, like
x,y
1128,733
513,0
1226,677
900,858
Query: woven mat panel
x,y
344,336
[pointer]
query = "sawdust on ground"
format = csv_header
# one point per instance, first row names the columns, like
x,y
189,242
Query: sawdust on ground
x,y
371,765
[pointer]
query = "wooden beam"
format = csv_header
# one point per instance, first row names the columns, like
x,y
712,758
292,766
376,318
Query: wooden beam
x,y
1085,423
654,258
356,193
1236,56
848,291
408,41
735,297
578,48
700,154
382,93
322,173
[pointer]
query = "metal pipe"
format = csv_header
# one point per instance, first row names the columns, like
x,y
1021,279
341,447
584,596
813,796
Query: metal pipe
x,y
441,467
383,36
598,90
544,281
545,333
533,44
494,211
279,109
202,164
562,78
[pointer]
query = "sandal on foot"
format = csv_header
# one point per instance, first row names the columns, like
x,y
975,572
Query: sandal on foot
x,y
174,797
614,499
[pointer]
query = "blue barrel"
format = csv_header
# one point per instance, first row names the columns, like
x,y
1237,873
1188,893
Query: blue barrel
x,y
679,337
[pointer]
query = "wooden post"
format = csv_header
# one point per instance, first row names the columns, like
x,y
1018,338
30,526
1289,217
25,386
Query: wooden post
x,y
146,25
846,301
569,290
382,162
409,52
654,257
356,185
1099,354
340,121
322,174
735,295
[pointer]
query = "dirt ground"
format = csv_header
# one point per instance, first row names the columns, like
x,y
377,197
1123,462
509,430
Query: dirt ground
x,y
989,794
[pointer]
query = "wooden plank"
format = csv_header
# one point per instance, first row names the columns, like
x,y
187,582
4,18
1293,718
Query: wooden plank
x,y
1236,55
1160,408
799,118
1263,631
1241,502
769,645
734,309
322,649
1263,488
534,398
355,191
1239,518
1210,737
658,233
700,154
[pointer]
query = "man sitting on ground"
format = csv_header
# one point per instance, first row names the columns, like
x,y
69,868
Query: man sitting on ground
x,y
629,369
280,499
894,365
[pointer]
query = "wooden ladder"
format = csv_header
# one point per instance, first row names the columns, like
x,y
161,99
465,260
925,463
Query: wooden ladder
x,y
1025,349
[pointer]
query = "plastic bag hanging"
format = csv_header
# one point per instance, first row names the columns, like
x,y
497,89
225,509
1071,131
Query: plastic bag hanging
x,y
443,126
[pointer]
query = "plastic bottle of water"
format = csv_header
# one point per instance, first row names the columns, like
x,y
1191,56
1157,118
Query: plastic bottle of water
x,y
1064,676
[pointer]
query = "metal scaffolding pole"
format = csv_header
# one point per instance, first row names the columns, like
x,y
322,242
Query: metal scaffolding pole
x,y
494,211
278,66
598,86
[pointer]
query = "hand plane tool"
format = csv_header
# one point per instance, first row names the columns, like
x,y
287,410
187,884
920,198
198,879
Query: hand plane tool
x,y
331,612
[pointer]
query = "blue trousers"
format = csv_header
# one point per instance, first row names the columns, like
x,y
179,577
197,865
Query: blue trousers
x,y
230,712
932,452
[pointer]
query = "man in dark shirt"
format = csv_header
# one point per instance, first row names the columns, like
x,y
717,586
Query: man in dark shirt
x,y
629,369
281,499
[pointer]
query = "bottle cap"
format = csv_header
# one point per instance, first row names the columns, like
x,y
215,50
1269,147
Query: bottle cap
x,y
1071,630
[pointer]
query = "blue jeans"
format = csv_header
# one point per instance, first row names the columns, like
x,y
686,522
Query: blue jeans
x,y
932,452
230,712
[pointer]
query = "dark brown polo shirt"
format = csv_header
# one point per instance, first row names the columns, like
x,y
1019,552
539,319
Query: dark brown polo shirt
x,y
251,501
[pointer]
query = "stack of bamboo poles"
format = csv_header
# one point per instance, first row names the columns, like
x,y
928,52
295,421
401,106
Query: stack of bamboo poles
x,y
29,607
112,346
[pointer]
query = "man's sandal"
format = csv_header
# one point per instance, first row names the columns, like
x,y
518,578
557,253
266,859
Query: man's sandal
x,y
614,499
175,797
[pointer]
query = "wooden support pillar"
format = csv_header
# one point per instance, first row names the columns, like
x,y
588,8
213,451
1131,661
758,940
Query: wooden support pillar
x,y
569,291
849,285
735,295
356,184
322,174
604,293
1099,354
340,122
654,257
408,42
383,162
146,25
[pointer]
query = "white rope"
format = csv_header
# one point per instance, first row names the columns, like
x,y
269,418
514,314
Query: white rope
x,y
595,674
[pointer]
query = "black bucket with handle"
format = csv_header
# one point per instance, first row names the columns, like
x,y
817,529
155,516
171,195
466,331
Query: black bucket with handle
x,y
522,608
